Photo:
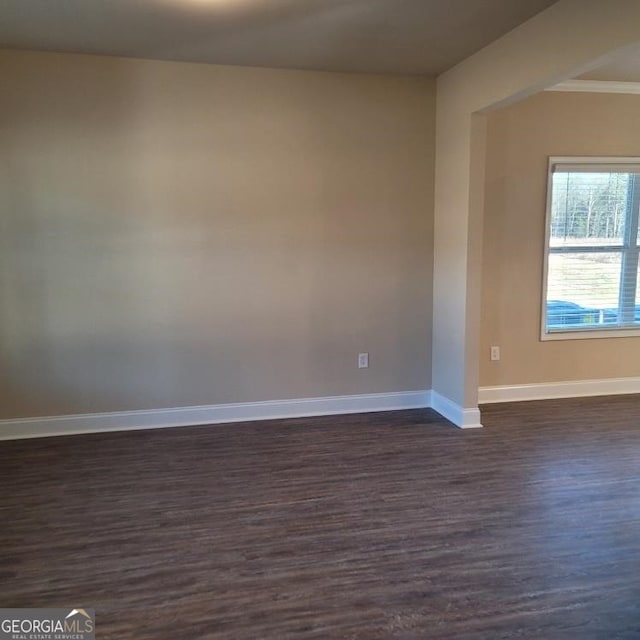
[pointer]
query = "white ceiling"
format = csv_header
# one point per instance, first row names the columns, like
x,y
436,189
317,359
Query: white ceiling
x,y
378,36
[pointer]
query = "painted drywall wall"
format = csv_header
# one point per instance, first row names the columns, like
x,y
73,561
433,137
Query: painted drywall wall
x,y
180,234
520,138
570,37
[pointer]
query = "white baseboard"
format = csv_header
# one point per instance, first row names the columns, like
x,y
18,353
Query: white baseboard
x,y
462,418
550,390
19,428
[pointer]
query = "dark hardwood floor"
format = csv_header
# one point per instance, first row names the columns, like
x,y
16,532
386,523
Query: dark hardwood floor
x,y
368,527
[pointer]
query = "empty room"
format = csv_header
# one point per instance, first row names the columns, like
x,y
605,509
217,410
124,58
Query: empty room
x,y
319,319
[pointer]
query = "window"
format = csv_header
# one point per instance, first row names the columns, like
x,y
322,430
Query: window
x,y
592,244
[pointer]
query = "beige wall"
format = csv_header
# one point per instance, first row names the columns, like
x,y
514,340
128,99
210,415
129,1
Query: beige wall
x,y
520,138
179,234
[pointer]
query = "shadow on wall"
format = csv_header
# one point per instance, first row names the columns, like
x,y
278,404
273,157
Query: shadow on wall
x,y
109,261
70,234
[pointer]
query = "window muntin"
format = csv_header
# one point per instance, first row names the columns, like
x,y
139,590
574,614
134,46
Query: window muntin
x,y
591,282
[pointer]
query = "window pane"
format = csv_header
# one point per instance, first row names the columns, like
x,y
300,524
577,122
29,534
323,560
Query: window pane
x,y
588,209
583,290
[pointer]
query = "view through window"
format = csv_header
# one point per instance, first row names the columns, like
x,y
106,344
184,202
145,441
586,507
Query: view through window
x,y
591,273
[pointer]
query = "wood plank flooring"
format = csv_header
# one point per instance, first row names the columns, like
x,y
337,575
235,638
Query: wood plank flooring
x,y
365,527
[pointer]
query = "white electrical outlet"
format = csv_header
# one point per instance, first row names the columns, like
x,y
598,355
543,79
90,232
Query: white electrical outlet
x,y
363,361
495,353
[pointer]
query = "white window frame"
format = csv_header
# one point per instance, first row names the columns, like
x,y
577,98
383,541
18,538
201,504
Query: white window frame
x,y
585,333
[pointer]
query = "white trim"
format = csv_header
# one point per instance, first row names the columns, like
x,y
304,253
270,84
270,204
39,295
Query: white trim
x,y
14,429
550,390
462,418
597,86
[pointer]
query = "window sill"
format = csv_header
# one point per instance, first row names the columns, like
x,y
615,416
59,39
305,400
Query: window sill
x,y
590,334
